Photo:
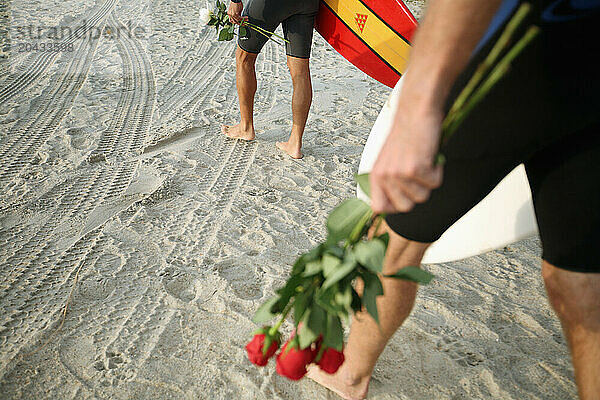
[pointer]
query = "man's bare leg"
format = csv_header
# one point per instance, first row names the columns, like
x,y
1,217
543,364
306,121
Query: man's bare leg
x,y
367,340
246,88
575,297
301,100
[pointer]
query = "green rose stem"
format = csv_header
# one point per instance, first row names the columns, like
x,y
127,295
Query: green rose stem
x,y
473,93
320,353
357,230
488,62
275,328
380,218
262,31
497,73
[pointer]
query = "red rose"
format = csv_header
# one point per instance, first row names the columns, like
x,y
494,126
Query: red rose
x,y
292,364
331,360
255,350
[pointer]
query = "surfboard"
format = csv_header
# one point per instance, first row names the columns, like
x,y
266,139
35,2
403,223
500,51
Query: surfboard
x,y
374,35
504,216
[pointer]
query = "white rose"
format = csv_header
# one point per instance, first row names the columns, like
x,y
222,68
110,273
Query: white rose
x,y
205,15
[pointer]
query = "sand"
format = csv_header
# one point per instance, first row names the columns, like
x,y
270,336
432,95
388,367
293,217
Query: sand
x,y
119,197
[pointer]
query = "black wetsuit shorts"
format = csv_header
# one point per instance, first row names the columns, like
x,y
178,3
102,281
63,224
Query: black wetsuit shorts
x,y
545,114
296,16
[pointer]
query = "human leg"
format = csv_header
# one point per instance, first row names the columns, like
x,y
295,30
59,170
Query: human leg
x,y
301,101
563,179
575,297
367,339
246,88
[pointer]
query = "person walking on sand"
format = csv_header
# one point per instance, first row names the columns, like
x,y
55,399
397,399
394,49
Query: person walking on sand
x,y
297,18
543,113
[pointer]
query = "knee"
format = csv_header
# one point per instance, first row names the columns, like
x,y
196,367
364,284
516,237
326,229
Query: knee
x,y
554,289
244,59
574,296
298,71
401,251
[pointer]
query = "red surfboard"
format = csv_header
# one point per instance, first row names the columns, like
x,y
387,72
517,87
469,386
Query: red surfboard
x,y
374,35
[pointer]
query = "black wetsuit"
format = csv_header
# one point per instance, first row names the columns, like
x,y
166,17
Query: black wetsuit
x,y
296,16
546,114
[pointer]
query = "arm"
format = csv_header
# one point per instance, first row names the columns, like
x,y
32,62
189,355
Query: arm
x,y
235,11
404,173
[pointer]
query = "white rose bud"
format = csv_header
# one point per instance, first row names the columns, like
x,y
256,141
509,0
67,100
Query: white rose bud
x,y
205,15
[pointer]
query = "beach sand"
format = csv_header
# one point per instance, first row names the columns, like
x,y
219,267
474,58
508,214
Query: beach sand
x,y
120,197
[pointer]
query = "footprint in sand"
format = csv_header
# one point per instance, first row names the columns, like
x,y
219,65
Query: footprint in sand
x,y
459,353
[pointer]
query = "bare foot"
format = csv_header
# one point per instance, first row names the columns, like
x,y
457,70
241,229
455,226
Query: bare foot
x,y
291,149
238,132
340,383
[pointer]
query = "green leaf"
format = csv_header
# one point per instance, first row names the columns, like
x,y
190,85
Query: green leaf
x,y
299,307
317,322
325,298
335,250
304,334
385,238
344,297
335,333
314,323
372,289
242,31
313,268
363,183
267,343
370,254
330,264
414,274
264,314
286,292
314,254
299,265
344,218
347,266
226,32
223,35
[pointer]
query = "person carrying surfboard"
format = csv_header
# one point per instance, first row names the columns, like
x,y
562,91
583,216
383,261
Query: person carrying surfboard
x,y
297,18
543,113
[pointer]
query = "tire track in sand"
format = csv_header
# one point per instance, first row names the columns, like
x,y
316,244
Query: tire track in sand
x,y
193,83
28,135
128,325
49,256
38,63
127,133
151,313
131,324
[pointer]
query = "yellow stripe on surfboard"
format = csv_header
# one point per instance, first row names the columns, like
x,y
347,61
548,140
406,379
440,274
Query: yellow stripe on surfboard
x,y
375,33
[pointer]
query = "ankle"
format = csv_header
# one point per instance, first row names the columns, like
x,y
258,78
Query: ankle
x,y
295,141
352,376
247,125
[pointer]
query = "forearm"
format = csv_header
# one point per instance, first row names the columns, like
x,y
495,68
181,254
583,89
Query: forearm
x,y
442,48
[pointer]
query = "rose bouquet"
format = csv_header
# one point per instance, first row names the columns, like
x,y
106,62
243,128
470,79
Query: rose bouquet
x,y
226,29
319,292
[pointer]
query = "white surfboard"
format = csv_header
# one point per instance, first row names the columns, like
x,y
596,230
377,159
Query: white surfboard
x,y
504,216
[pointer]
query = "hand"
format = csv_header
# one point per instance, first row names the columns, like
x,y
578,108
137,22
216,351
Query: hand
x,y
404,173
235,12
